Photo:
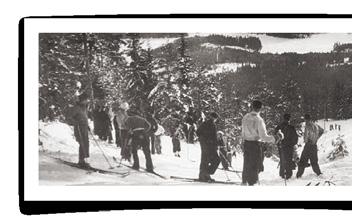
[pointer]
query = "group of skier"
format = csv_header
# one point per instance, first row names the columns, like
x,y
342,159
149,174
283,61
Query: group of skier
x,y
285,136
136,132
254,133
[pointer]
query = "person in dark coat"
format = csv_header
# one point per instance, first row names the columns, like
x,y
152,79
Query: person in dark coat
x,y
176,137
154,126
97,121
208,144
106,125
190,120
331,127
117,131
312,133
77,116
139,132
286,146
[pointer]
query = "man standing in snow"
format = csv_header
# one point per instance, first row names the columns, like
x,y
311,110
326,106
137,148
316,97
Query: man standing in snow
x,y
121,117
159,132
223,151
77,116
208,144
176,137
253,132
190,119
139,130
154,126
312,133
286,146
117,131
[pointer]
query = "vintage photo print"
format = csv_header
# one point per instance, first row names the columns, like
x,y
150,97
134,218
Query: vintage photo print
x,y
187,109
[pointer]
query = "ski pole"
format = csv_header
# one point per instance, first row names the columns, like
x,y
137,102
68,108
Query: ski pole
x,y
111,167
228,163
227,176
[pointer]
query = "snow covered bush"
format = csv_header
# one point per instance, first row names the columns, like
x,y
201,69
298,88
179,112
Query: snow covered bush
x,y
339,148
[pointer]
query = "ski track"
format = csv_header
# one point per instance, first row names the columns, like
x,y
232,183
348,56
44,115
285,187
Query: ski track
x,y
58,142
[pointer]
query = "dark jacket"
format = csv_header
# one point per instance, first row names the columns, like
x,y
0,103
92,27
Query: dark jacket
x,y
290,134
207,132
106,121
77,115
137,123
153,123
115,123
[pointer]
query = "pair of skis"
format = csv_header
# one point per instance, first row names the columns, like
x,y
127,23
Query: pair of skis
x,y
231,170
186,179
90,169
143,169
177,177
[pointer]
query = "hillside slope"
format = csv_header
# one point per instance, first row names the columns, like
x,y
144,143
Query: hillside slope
x,y
58,142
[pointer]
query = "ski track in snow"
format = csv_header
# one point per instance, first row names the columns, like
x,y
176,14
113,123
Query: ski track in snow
x,y
58,142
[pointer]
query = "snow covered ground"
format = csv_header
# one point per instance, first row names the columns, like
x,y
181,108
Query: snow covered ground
x,y
58,142
316,43
227,67
323,42
214,46
153,43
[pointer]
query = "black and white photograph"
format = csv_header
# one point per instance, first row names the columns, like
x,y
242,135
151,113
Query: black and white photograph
x,y
195,108
216,107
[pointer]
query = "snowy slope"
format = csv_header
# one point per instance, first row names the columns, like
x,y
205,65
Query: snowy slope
x,y
153,43
338,171
323,42
227,67
325,142
53,172
58,142
214,46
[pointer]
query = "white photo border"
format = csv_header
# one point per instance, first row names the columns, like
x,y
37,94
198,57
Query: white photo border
x,y
35,192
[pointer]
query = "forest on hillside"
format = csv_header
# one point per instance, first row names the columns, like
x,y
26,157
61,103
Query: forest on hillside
x,y
172,79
